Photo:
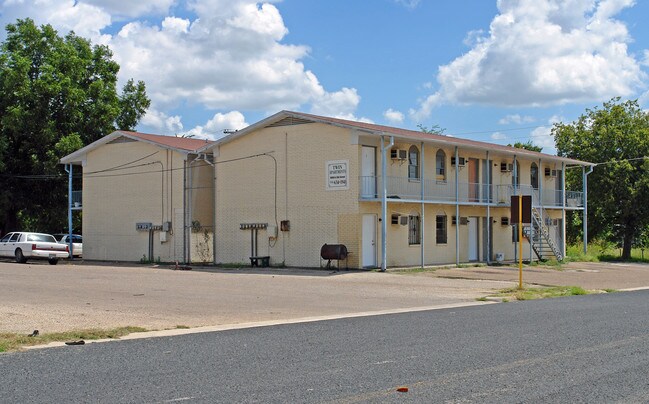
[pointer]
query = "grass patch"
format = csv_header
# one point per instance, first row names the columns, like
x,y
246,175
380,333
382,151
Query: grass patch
x,y
13,342
541,293
182,327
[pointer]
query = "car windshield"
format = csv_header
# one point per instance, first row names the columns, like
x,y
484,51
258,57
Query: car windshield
x,y
41,237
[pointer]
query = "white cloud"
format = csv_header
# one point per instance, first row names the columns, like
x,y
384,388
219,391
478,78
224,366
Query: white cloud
x,y
85,20
394,117
542,136
132,8
229,55
159,122
540,53
213,129
498,136
516,119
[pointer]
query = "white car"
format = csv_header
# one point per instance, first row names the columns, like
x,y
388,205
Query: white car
x,y
77,243
23,246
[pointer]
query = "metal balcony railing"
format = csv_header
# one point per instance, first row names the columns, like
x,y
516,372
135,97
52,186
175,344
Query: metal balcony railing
x,y
444,192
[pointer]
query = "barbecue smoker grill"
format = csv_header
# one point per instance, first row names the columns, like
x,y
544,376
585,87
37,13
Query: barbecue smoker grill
x,y
332,252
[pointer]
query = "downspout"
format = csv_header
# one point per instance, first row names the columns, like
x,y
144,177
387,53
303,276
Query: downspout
x,y
585,220
541,179
384,202
457,207
185,211
70,245
423,216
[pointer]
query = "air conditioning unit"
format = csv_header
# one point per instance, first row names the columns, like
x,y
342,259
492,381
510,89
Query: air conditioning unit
x,y
463,221
506,167
398,154
395,218
550,173
462,161
504,221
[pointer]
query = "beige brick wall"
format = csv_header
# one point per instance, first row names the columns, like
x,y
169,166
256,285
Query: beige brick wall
x,y
114,200
253,190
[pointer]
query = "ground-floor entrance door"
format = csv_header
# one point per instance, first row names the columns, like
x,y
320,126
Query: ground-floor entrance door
x,y
369,241
473,238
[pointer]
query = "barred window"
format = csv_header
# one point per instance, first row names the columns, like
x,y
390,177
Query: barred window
x,y
414,230
440,229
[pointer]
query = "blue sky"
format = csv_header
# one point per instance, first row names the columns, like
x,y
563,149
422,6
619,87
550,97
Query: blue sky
x,y
498,71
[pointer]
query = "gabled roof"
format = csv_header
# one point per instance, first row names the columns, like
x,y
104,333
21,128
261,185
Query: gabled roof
x,y
292,118
179,144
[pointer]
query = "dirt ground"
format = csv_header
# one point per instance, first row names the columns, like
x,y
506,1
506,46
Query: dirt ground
x,y
98,295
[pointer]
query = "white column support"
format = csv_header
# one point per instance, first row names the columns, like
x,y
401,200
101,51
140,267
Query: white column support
x,y
488,199
457,206
584,175
563,209
423,209
384,202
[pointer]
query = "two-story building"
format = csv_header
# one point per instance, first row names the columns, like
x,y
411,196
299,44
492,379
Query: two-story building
x,y
287,185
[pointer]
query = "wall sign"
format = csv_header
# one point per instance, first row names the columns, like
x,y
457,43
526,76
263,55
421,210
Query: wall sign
x,y
337,175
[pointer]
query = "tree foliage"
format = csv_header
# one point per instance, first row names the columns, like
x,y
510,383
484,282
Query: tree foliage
x,y
616,137
527,146
57,94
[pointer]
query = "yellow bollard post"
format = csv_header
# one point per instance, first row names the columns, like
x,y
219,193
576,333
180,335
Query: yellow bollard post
x,y
520,241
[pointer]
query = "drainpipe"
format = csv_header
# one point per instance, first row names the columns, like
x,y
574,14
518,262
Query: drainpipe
x,y
70,245
584,175
457,207
384,202
541,179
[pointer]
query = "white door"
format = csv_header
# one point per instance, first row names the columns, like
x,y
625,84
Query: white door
x,y
368,172
473,239
369,241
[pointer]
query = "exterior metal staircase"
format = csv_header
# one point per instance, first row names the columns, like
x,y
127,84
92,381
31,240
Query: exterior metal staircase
x,y
543,243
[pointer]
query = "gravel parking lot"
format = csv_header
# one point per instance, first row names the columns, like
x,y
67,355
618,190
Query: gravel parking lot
x,y
78,296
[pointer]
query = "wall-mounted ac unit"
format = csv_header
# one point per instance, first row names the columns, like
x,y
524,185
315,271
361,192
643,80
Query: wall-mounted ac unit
x,y
462,161
395,218
398,154
506,167
463,221
504,220
550,173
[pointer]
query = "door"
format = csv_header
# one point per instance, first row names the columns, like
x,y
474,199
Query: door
x,y
487,250
369,241
473,238
474,180
368,172
534,176
487,181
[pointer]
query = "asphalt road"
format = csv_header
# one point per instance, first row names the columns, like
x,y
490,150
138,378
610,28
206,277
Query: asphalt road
x,y
579,349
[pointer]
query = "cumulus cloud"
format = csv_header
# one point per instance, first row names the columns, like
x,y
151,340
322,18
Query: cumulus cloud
x,y
228,55
516,119
541,53
159,122
394,117
213,129
86,20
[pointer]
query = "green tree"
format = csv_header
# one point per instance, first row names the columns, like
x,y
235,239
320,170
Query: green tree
x,y
57,94
617,137
433,130
527,146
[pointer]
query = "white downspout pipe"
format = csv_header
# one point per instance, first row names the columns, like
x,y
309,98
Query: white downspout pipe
x,y
384,202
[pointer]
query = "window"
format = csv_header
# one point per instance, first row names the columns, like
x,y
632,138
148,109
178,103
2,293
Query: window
x,y
534,176
440,165
414,230
413,163
440,229
516,179
6,238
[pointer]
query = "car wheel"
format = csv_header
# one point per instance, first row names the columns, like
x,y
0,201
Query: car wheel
x,y
20,258
53,261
